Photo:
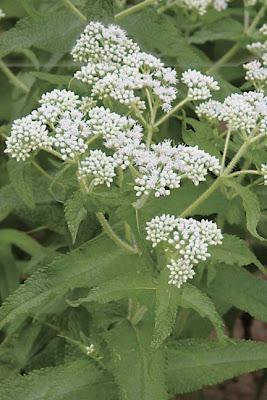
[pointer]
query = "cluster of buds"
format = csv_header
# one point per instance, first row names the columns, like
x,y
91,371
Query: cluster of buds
x,y
185,242
116,68
264,173
256,70
245,112
199,85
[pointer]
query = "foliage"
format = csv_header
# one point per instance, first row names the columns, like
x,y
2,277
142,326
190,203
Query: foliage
x,y
98,300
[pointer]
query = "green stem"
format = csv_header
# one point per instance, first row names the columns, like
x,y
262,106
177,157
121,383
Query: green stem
x,y
150,132
113,236
224,59
134,9
225,149
75,10
40,169
13,78
170,113
53,152
256,20
218,181
246,171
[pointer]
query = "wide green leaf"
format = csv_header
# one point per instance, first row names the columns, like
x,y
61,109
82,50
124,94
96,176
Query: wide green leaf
x,y
20,175
194,364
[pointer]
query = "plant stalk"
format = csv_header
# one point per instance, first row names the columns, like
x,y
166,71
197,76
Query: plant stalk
x,y
170,113
113,236
13,78
74,10
134,9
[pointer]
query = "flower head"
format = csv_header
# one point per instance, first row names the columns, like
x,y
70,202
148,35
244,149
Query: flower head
x,y
185,241
199,85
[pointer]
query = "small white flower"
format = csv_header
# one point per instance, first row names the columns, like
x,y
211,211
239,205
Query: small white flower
x,y
90,349
2,14
210,109
185,241
99,167
199,85
263,29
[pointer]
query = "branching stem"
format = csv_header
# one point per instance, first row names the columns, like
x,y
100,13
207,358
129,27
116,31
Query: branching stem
x,y
133,9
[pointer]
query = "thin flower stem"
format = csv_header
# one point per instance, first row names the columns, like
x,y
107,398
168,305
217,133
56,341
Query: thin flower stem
x,y
246,171
53,152
218,181
13,78
40,169
225,149
74,9
170,113
113,236
257,18
224,59
134,9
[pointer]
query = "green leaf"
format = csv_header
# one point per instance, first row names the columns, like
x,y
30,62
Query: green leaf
x,y
162,35
138,369
75,213
226,29
103,10
197,300
54,32
129,285
21,179
239,288
168,297
7,201
234,251
87,266
251,205
64,382
194,364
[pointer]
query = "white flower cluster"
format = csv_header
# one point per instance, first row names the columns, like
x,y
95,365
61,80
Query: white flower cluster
x,y
2,14
256,73
256,70
185,242
162,168
27,136
264,173
241,112
116,68
199,85
199,6
90,349
57,124
99,167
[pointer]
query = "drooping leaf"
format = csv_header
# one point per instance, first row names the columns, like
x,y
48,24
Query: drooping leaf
x,y
87,266
251,205
196,363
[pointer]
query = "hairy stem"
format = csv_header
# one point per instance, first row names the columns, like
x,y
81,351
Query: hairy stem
x,y
134,9
13,78
74,9
113,236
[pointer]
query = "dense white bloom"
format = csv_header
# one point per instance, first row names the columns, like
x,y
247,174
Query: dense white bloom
x,y
258,48
264,173
71,133
115,67
54,104
244,111
210,109
2,14
99,167
185,241
220,5
199,85
27,135
163,166
256,73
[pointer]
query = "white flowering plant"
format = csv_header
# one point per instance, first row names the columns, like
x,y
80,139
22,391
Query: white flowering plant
x,y
133,196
